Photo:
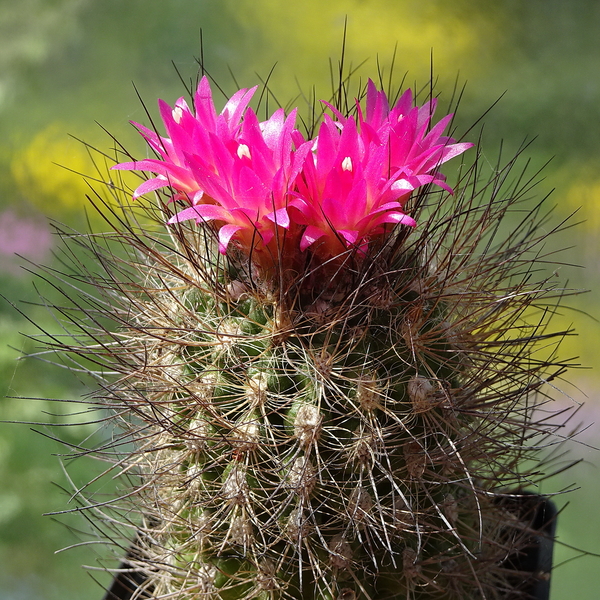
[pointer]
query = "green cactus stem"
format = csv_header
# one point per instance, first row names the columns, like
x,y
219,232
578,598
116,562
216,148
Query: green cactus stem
x,y
345,428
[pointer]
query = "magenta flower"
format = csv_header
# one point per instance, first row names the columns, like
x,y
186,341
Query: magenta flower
x,y
231,168
413,149
189,134
274,193
359,177
343,198
250,181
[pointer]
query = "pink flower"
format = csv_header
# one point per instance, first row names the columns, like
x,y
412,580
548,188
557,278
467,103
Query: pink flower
x,y
231,168
189,134
414,149
343,198
275,194
249,182
359,177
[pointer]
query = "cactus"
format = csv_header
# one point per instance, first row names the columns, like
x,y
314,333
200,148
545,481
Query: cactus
x,y
315,398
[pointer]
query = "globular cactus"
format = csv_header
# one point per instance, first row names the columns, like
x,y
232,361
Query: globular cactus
x,y
317,399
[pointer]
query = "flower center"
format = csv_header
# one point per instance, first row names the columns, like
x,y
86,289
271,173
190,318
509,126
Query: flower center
x,y
243,150
177,114
347,164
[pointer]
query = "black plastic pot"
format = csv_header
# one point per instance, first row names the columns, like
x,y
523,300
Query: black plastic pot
x,y
535,519
533,564
128,581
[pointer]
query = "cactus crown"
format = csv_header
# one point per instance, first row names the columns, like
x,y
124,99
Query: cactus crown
x,y
319,400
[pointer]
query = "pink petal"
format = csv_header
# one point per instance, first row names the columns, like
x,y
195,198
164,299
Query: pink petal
x,y
350,235
340,117
154,140
225,234
436,131
377,105
236,106
403,106
272,128
454,150
279,217
202,212
402,185
203,103
310,236
400,218
150,186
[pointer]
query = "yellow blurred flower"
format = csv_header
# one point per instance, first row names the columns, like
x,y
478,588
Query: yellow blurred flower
x,y
56,173
50,171
584,195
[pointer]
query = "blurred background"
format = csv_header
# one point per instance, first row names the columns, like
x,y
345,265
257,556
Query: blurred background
x,y
67,64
